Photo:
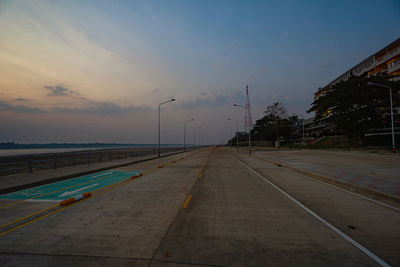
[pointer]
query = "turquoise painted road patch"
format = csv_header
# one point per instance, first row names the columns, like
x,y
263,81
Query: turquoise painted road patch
x,y
71,187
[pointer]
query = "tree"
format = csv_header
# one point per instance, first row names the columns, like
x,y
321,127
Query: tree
x,y
355,107
275,124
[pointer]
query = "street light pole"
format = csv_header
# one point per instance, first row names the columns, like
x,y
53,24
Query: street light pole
x,y
302,125
230,132
198,137
237,136
236,105
391,112
184,134
159,123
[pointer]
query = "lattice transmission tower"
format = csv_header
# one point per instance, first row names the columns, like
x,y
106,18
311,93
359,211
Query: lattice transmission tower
x,y
248,124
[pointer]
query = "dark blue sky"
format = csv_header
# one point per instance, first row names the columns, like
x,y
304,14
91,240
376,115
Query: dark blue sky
x,y
122,58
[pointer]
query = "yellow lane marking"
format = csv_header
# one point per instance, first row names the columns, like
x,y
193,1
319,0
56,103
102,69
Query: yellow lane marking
x,y
109,188
186,203
30,215
40,218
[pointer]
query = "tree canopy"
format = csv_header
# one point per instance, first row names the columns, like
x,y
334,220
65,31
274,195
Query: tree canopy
x,y
276,124
354,106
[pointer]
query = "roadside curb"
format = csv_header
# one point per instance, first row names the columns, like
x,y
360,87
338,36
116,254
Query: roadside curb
x,y
66,177
345,185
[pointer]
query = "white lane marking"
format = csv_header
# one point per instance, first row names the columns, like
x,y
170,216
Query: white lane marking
x,y
42,200
67,193
99,175
346,237
342,189
347,191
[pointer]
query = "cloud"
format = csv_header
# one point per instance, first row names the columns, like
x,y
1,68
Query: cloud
x,y
96,108
205,100
100,108
21,99
20,108
59,90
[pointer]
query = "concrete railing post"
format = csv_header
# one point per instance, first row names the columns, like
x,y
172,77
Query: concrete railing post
x,y
30,163
54,161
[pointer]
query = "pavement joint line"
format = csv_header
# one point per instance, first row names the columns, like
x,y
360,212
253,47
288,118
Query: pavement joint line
x,y
52,192
187,263
319,218
116,185
171,223
332,180
336,187
71,255
347,191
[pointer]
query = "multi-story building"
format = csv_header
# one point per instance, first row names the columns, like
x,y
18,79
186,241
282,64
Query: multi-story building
x,y
385,60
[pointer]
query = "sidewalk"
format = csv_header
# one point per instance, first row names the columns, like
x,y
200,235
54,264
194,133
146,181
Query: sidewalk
x,y
19,181
374,172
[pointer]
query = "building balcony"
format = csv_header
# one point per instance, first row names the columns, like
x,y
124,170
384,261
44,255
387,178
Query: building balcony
x,y
394,66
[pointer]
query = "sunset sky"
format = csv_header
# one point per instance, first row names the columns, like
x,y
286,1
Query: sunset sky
x,y
95,71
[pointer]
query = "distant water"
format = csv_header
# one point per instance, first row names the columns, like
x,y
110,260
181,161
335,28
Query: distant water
x,y
15,152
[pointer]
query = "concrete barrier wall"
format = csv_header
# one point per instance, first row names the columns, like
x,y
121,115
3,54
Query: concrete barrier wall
x,y
34,162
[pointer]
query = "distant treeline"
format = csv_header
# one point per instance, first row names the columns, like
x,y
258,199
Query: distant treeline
x,y
12,145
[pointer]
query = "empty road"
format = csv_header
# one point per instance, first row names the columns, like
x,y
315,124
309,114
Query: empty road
x,y
213,207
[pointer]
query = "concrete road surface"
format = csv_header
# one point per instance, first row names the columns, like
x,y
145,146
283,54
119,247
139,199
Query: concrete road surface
x,y
372,171
213,208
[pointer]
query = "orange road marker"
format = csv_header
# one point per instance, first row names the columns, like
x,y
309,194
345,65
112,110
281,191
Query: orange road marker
x,y
76,198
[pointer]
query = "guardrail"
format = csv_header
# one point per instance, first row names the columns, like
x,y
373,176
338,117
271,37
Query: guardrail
x,y
34,162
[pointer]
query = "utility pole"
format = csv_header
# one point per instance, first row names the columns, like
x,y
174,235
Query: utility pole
x,y
237,135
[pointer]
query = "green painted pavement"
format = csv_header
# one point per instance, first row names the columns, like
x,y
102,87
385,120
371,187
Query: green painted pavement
x,y
71,187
